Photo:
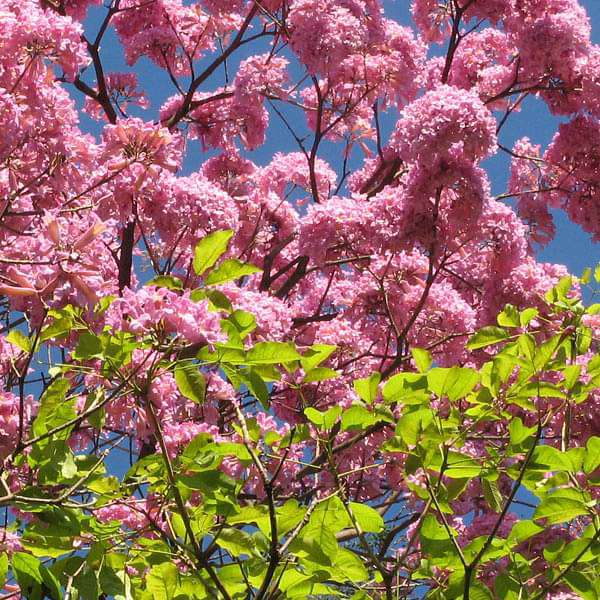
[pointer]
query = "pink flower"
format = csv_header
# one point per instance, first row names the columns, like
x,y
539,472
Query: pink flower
x,y
150,308
443,119
575,171
166,31
10,542
132,141
122,89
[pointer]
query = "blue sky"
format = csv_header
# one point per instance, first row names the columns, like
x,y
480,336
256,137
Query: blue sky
x,y
572,246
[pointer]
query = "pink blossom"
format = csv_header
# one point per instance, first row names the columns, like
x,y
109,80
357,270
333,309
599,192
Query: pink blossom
x,y
324,33
575,172
151,307
166,31
134,142
527,183
122,89
9,420
441,120
10,542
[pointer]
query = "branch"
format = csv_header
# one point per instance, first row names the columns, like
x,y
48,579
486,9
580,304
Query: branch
x,y
196,83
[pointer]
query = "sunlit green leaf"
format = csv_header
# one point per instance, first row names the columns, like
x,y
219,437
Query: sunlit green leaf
x,y
455,382
422,359
190,382
229,270
19,339
367,518
210,249
166,281
487,336
559,509
265,353
162,581
367,388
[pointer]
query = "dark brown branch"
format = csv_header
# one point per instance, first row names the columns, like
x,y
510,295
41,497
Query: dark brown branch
x,y
126,256
183,110
297,275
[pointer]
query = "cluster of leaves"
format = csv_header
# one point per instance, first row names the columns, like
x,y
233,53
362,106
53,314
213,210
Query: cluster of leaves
x,y
218,532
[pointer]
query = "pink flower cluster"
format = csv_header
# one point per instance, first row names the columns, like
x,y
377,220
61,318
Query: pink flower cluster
x,y
168,32
152,309
574,170
443,119
9,421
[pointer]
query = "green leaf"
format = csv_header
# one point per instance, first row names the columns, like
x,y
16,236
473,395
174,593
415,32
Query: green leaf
x,y
288,517
166,281
35,580
548,458
331,513
527,315
19,339
229,270
411,425
422,359
461,466
60,327
523,530
89,346
518,432
249,514
236,542
478,591
230,449
350,567
162,581
536,389
317,538
190,382
295,584
324,420
68,468
217,299
593,309
318,542
571,375
257,387
86,583
455,382
54,410
51,543
233,581
367,388
559,509
560,290
368,518
210,249
408,388
492,494
243,321
487,337
582,585
592,458
434,539
3,569
358,417
320,374
222,354
509,317
586,276
270,353
315,355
